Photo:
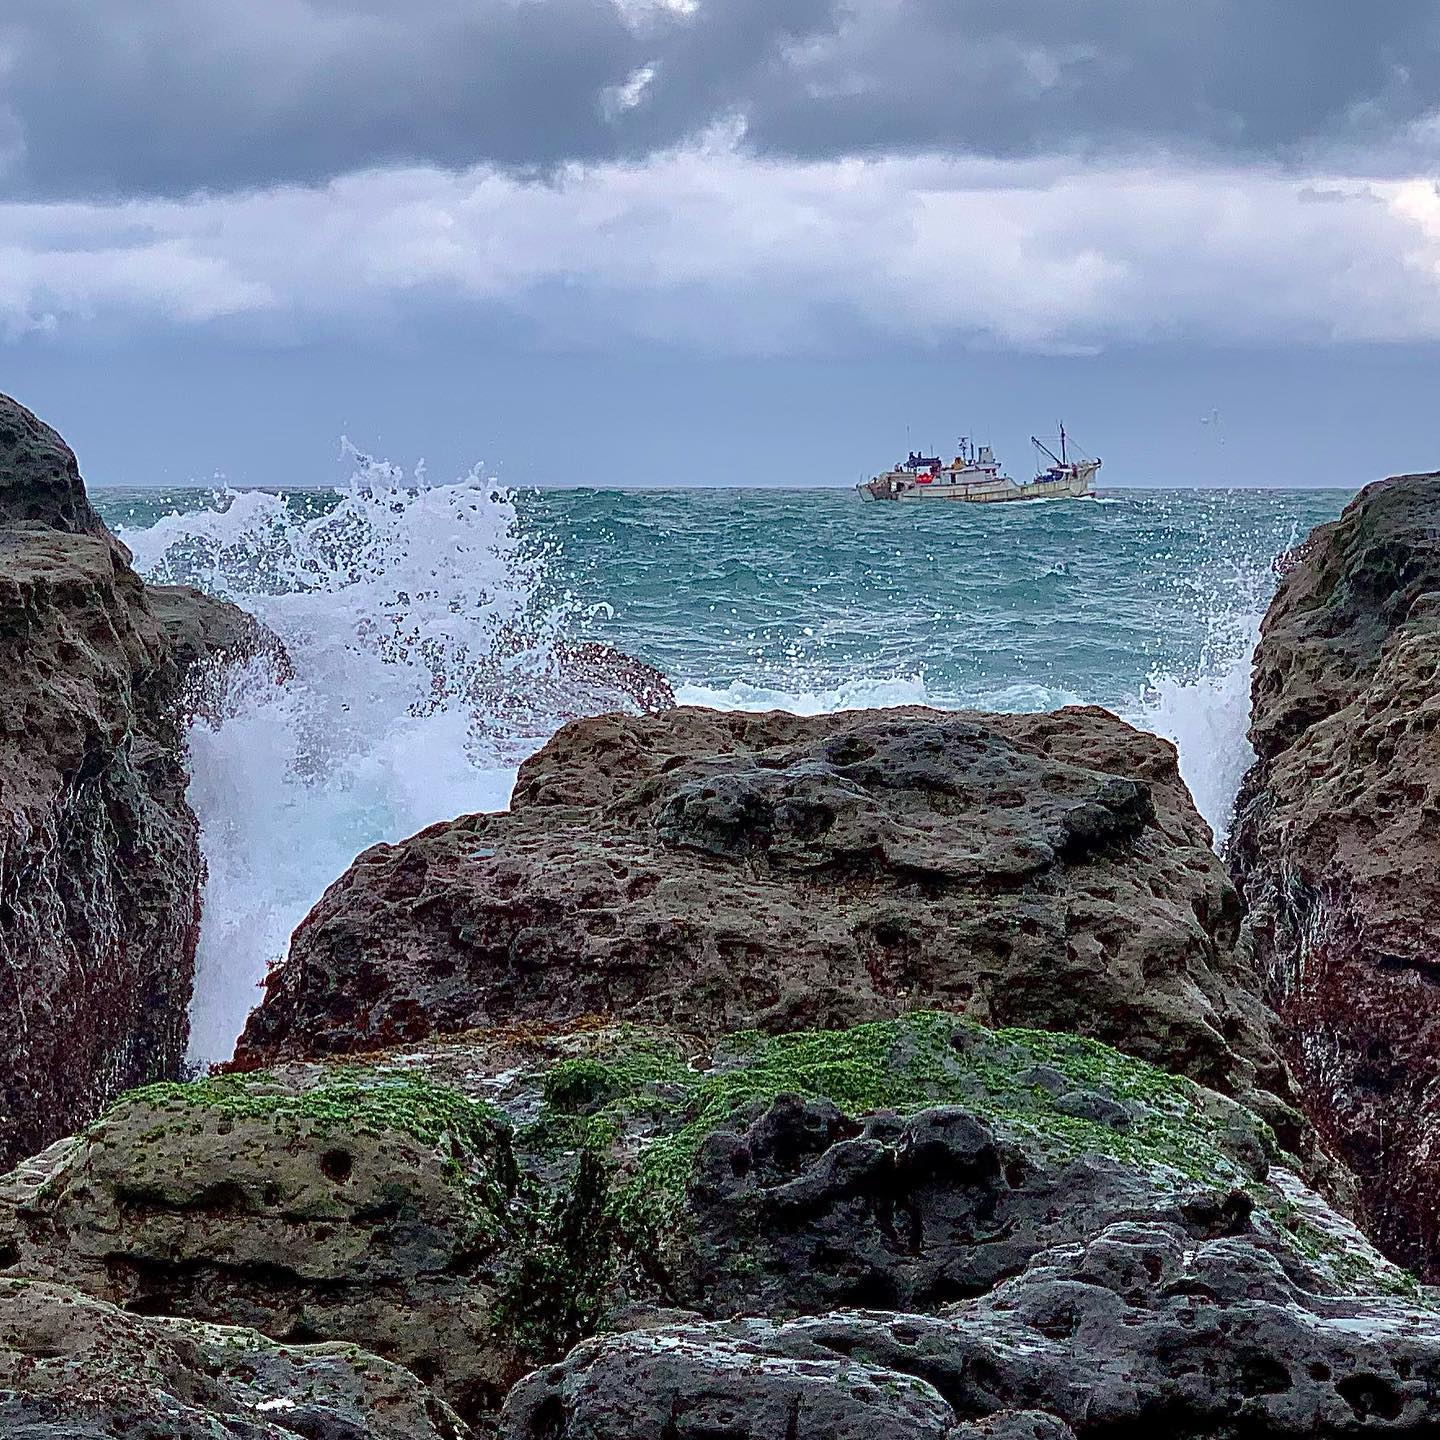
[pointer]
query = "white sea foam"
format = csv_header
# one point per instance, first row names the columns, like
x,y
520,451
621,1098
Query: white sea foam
x,y
862,694
1207,714
870,693
1205,709
410,615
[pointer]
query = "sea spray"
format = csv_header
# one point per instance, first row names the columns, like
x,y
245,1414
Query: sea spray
x,y
1204,708
1205,712
415,619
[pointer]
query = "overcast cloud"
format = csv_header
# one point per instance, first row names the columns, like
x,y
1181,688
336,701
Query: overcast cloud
x,y
707,245
168,96
740,175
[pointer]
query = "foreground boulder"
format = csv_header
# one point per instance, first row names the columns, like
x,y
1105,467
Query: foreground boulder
x,y
712,871
99,857
1137,1331
475,1207
72,1368
378,1211
1336,846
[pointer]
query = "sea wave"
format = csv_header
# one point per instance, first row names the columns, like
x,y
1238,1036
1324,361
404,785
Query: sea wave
x,y
410,614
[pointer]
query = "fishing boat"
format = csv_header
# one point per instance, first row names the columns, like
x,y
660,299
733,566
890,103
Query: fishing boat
x,y
974,476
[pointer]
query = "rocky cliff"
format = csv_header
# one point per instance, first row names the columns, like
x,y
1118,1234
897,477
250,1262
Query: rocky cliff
x,y
1336,846
99,860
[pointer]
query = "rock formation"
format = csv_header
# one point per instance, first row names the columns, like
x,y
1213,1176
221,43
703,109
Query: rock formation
x,y
712,871
475,1207
72,1368
99,861
1139,1330
40,485
1336,847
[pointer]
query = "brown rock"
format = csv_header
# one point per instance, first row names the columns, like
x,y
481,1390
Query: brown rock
x,y
716,871
1337,844
40,485
591,670
99,859
204,630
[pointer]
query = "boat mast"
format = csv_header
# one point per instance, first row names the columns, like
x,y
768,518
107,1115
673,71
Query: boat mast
x,y
1064,459
1039,444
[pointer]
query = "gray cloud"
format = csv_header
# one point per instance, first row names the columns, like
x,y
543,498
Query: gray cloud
x,y
169,96
1010,77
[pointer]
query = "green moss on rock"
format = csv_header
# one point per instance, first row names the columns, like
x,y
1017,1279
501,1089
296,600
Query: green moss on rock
x,y
1061,1094
632,1064
350,1098
471,1139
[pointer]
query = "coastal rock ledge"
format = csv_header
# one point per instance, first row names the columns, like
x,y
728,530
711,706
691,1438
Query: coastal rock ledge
x,y
1336,846
100,865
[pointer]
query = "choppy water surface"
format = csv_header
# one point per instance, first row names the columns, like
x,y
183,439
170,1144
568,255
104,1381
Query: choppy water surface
x,y
393,600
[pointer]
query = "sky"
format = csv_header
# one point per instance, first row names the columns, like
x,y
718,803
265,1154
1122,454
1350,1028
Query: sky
x,y
722,241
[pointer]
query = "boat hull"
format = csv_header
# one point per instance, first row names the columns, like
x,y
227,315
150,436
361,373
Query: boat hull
x,y
999,490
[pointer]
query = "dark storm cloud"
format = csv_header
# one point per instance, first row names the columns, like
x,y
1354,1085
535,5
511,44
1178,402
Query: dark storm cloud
x,y
167,96
171,95
1008,77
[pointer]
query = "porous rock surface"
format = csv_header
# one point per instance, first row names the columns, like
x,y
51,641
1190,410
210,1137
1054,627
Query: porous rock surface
x,y
1336,845
72,1368
1138,1330
713,871
474,1208
40,485
330,1213
99,859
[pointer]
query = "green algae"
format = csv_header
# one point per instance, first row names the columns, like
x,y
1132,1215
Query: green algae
x,y
1024,1083
631,1064
471,1139
1033,1087
554,1294
348,1097
586,1098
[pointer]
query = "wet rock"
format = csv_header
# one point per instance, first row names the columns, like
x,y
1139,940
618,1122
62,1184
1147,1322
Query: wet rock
x,y
205,631
474,1208
1014,1425
595,674
1336,846
714,871
1137,1330
683,1387
72,1368
99,857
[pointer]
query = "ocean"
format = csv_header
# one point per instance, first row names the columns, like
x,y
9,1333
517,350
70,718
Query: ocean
x,y
419,615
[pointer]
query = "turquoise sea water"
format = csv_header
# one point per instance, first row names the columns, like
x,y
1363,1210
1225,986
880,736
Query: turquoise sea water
x,y
419,618
803,596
